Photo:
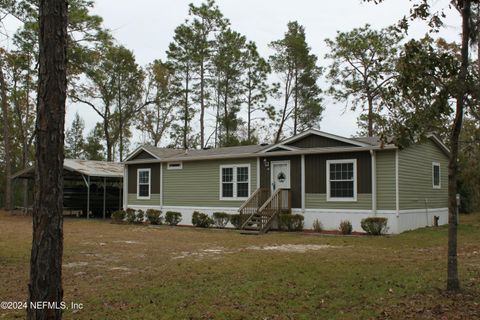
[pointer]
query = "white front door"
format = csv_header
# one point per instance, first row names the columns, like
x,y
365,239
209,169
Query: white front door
x,y
280,175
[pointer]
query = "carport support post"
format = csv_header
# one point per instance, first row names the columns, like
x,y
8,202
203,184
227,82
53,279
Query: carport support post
x,y
88,198
104,194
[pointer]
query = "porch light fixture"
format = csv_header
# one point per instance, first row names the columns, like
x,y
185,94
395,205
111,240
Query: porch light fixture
x,y
266,163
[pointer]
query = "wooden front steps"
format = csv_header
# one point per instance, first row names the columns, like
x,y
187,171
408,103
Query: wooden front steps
x,y
261,209
253,225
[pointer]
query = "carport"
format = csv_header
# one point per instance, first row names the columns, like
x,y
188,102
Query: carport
x,y
80,177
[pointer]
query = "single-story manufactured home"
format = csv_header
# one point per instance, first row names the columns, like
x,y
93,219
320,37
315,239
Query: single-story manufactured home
x,y
322,176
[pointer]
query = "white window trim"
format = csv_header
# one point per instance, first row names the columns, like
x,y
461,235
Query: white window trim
x,y
180,167
336,199
439,186
234,166
149,183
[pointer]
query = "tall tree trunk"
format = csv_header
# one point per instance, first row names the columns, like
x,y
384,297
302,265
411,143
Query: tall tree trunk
x,y
156,136
47,245
217,128
284,113
24,165
6,142
295,110
226,113
120,120
185,124
370,115
106,132
202,105
249,120
26,141
478,51
477,18
453,283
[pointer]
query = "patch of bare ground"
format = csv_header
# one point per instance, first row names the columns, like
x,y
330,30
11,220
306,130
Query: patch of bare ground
x,y
301,248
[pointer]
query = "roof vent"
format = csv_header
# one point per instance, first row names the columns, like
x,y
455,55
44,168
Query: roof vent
x,y
207,148
186,151
264,144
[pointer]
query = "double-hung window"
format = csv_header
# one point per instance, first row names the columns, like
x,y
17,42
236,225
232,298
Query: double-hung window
x,y
234,182
143,183
436,175
341,180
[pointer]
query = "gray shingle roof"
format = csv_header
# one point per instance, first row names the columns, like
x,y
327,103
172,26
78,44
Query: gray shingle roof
x,y
374,141
224,151
166,153
163,152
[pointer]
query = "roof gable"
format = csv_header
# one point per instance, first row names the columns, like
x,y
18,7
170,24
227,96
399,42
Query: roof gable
x,y
317,139
282,148
141,153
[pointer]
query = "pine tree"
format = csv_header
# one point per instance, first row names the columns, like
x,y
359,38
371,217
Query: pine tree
x,y
93,148
74,141
229,69
363,63
6,138
255,84
206,24
179,56
47,244
297,69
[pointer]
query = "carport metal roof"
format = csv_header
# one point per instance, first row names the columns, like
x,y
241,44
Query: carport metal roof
x,y
88,168
77,169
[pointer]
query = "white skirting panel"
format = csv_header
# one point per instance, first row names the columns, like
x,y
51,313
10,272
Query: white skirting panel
x,y
406,220
414,219
331,218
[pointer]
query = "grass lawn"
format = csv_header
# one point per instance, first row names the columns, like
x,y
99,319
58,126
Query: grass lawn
x,y
141,272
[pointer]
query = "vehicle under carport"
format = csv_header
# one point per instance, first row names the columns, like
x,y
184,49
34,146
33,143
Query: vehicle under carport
x,y
94,188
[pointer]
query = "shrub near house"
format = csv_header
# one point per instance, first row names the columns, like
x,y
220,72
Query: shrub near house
x,y
236,220
173,218
221,219
130,216
290,222
346,227
118,216
154,216
375,225
201,220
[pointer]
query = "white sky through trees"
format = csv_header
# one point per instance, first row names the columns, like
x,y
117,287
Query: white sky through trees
x,y
147,27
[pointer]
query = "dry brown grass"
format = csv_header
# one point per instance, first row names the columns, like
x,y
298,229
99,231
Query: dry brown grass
x,y
142,272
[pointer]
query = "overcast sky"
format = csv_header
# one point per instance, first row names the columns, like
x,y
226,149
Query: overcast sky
x,y
147,26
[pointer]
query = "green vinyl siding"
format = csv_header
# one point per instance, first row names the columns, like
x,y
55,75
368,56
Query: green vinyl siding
x,y
153,201
385,180
319,201
198,183
415,177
